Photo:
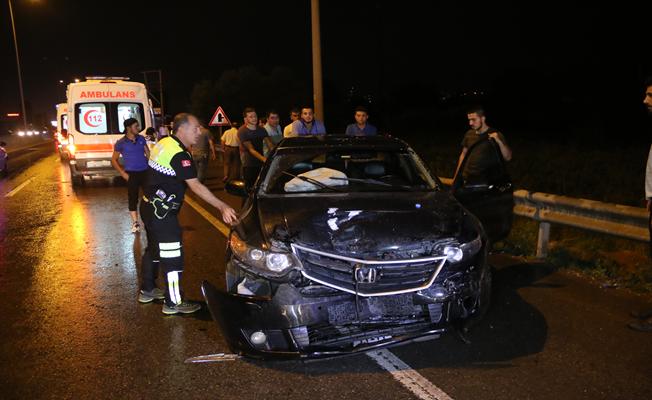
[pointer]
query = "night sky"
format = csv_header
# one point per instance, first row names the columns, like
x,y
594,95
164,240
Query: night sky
x,y
535,65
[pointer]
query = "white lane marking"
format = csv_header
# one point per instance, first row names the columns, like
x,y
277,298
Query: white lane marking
x,y
219,225
403,373
411,379
17,189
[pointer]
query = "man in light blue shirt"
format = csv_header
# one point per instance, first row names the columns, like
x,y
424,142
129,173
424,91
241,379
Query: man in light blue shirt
x,y
307,124
361,127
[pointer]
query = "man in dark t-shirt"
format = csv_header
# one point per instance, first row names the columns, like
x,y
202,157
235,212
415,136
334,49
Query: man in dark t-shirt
x,y
171,170
251,138
483,157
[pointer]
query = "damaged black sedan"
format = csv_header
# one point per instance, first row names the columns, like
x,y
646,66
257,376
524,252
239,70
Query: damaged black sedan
x,y
349,243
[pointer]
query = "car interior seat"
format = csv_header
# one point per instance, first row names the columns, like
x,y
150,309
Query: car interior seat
x,y
374,170
301,167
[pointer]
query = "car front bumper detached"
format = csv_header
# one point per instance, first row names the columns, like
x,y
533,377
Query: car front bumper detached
x,y
317,321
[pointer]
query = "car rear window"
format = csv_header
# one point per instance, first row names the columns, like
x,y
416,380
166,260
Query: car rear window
x,y
64,122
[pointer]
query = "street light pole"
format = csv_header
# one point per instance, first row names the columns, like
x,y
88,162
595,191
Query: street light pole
x,y
20,77
317,94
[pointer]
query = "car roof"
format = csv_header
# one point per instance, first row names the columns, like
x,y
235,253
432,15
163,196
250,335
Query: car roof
x,y
341,142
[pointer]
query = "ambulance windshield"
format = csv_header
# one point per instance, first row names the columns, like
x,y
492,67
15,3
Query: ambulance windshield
x,y
98,118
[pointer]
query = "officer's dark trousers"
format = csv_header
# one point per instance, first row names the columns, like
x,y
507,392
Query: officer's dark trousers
x,y
163,251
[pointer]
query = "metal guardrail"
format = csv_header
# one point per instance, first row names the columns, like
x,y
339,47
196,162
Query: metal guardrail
x,y
612,219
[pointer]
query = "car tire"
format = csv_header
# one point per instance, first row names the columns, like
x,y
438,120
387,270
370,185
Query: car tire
x,y
485,293
484,300
77,180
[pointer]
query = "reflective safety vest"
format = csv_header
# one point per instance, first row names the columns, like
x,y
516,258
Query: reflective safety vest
x,y
162,154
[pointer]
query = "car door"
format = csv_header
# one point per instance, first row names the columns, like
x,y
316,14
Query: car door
x,y
490,197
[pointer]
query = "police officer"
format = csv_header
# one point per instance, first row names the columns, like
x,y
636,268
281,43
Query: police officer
x,y
171,170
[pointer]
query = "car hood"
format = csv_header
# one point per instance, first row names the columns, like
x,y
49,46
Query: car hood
x,y
362,224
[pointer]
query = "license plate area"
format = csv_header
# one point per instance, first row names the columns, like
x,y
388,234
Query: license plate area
x,y
98,164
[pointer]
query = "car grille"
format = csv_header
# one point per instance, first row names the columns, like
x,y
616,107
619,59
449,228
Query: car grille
x,y
368,277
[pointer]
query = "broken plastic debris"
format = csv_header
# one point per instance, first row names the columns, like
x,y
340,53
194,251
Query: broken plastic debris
x,y
243,289
219,357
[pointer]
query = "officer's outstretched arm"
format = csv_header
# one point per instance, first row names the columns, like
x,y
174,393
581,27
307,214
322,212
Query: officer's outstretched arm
x,y
228,214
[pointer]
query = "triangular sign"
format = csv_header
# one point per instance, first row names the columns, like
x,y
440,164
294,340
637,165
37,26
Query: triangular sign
x,y
219,118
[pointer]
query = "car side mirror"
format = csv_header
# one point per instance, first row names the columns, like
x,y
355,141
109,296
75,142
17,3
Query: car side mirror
x,y
236,188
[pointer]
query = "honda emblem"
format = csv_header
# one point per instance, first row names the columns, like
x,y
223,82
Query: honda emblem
x,y
365,274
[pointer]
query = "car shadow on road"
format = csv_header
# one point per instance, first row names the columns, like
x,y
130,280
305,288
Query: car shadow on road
x,y
511,329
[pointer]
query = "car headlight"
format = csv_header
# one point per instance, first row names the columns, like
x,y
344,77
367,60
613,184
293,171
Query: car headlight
x,y
455,254
265,261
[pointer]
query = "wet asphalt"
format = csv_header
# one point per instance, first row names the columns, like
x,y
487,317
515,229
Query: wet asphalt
x,y
71,327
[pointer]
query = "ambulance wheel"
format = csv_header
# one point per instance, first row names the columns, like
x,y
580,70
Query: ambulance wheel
x,y
77,180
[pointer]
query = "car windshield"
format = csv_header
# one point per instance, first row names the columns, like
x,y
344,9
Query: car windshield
x,y
337,170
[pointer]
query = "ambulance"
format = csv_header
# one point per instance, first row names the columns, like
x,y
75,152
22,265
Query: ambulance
x,y
61,136
97,108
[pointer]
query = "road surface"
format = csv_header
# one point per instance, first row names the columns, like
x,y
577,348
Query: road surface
x,y
72,328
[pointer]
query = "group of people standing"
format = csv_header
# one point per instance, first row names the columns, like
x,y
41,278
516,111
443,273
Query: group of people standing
x,y
246,147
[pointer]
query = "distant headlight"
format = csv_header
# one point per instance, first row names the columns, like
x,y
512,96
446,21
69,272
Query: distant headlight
x,y
21,133
264,261
455,254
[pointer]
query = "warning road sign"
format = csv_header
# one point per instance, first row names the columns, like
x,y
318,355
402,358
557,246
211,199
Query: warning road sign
x,y
219,118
